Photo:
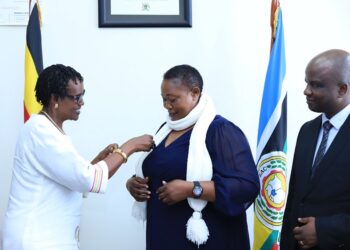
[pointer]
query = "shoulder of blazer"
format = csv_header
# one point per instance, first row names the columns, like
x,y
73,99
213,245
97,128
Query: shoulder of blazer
x,y
312,125
316,121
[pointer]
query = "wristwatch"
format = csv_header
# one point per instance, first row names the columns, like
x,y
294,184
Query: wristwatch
x,y
197,189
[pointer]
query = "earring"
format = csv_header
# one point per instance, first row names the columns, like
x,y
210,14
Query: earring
x,y
56,105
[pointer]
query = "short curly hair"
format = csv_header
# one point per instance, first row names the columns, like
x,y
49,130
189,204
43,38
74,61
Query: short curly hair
x,y
187,74
53,80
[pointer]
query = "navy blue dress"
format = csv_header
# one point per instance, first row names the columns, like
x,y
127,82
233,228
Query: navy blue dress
x,y
236,186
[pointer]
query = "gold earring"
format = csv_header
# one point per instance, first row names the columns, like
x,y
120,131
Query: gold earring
x,y
56,105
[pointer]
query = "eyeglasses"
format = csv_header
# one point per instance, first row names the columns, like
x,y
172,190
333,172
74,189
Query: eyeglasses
x,y
77,98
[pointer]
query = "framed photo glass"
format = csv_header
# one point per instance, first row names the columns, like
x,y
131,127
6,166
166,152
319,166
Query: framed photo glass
x,y
144,13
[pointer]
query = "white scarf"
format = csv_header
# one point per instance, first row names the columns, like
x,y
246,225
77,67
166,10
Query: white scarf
x,y
199,165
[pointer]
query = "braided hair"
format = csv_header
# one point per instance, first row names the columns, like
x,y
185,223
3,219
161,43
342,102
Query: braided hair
x,y
53,80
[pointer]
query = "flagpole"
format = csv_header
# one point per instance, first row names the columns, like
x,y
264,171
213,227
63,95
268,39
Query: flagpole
x,y
271,145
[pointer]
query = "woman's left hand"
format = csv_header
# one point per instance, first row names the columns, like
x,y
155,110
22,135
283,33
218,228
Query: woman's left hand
x,y
174,191
104,153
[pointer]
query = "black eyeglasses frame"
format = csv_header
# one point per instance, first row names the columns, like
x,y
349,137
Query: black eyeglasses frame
x,y
76,98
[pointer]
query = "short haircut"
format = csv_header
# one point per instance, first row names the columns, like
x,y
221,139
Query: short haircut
x,y
187,74
53,80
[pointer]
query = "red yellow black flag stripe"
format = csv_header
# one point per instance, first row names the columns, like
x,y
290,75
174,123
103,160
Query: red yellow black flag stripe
x,y
33,63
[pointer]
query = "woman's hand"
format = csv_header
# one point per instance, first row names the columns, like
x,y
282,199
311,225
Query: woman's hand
x,y
104,153
136,144
138,188
174,191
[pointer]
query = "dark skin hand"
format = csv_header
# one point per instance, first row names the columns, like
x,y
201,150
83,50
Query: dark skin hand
x,y
174,191
104,153
138,188
170,192
305,234
177,190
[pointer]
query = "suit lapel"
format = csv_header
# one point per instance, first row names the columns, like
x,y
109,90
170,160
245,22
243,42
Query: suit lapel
x,y
310,137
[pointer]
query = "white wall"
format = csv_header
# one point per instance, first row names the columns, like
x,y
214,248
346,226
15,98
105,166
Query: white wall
x,y
228,43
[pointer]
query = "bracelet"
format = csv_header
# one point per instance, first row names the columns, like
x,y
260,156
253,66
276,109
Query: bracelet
x,y
121,153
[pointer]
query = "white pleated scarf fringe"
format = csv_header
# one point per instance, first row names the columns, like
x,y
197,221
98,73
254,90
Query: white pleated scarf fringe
x,y
199,165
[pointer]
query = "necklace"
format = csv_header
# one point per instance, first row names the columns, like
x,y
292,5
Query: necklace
x,y
52,121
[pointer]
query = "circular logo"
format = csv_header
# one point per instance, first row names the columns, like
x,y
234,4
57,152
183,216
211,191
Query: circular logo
x,y
270,203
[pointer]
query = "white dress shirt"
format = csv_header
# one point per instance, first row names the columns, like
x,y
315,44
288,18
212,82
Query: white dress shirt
x,y
337,121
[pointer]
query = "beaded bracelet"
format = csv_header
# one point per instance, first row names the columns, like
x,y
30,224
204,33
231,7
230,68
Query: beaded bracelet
x,y
120,152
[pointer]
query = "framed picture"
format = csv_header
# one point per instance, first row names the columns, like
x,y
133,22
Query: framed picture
x,y
144,13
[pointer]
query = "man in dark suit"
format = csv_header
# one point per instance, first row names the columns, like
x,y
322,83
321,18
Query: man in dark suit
x,y
317,214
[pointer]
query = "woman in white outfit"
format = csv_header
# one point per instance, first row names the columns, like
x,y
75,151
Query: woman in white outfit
x,y
49,175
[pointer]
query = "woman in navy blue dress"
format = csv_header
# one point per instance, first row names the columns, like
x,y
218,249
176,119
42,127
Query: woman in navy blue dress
x,y
192,202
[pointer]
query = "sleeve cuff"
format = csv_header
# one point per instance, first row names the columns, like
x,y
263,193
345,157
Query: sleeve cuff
x,y
100,179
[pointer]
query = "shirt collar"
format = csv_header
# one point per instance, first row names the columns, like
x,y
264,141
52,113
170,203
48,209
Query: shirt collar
x,y
339,118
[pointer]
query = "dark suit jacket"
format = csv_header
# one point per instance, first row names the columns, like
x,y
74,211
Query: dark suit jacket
x,y
326,196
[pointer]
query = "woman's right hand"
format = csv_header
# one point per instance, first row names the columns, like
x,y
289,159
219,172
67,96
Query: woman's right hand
x,y
138,188
136,144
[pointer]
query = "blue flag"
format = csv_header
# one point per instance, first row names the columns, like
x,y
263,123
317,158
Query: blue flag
x,y
271,147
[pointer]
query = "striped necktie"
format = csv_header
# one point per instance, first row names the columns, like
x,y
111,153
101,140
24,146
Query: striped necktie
x,y
322,148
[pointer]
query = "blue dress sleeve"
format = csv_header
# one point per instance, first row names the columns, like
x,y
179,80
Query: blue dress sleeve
x,y
234,172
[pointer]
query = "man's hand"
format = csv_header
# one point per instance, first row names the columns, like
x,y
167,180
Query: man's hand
x,y
305,234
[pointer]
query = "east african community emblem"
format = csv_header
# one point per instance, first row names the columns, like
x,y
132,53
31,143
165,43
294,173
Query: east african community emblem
x,y
270,203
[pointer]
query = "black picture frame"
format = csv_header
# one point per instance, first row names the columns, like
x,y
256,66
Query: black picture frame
x,y
107,20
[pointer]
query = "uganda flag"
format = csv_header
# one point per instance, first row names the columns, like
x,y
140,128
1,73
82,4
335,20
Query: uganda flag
x,y
272,140
33,62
